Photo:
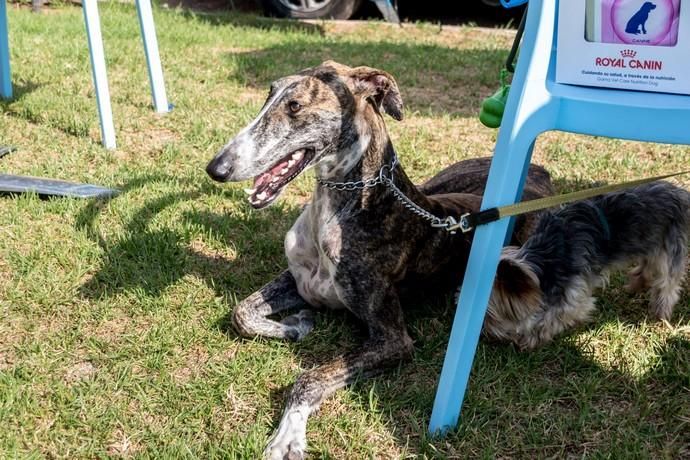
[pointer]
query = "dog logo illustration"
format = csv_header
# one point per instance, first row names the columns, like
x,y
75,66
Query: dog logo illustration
x,y
637,22
641,22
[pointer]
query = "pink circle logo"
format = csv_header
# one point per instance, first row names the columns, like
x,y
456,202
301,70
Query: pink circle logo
x,y
643,22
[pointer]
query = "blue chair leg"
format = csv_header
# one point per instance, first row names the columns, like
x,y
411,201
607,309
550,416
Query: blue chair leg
x,y
503,187
5,75
148,35
100,77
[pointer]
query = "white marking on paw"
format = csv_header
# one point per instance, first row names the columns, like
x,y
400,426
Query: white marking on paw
x,y
290,439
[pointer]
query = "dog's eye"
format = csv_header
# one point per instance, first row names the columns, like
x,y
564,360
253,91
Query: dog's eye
x,y
294,106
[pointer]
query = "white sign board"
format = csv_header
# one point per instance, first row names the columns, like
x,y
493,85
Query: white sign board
x,y
629,44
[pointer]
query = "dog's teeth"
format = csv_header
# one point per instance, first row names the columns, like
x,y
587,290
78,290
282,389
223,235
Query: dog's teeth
x,y
298,155
249,191
291,163
275,179
261,196
284,171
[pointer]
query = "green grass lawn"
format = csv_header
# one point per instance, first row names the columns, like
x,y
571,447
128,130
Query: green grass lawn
x,y
114,316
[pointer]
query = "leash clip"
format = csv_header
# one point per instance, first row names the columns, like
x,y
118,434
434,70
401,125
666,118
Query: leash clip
x,y
452,226
446,224
464,225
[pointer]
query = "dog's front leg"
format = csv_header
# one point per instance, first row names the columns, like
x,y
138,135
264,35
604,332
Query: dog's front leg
x,y
387,345
250,316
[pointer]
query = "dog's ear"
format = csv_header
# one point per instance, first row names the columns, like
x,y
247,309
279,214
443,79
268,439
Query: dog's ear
x,y
380,87
514,274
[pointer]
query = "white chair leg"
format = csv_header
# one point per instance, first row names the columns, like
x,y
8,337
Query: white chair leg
x,y
100,77
153,60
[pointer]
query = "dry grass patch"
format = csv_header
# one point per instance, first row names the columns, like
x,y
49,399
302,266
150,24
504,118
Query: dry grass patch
x,y
122,445
79,372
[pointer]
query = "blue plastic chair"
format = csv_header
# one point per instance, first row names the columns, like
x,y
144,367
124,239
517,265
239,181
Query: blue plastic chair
x,y
536,104
100,78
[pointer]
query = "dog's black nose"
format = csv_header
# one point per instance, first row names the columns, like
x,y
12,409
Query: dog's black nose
x,y
218,169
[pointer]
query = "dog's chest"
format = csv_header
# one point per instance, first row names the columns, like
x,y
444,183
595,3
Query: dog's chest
x,y
312,247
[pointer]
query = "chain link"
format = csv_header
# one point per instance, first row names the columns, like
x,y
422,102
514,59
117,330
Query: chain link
x,y
361,184
447,223
413,207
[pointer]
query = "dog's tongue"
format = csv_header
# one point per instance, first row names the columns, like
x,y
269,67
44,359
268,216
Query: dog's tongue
x,y
264,180
267,185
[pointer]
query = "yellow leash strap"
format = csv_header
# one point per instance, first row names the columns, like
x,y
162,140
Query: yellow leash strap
x,y
470,221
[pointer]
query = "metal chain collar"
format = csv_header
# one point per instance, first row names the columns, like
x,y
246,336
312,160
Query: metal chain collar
x,y
385,177
362,184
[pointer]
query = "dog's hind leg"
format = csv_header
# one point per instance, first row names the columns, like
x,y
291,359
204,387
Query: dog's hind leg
x,y
637,281
665,273
250,316
387,345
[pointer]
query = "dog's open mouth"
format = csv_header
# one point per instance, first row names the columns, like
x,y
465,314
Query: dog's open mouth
x,y
268,185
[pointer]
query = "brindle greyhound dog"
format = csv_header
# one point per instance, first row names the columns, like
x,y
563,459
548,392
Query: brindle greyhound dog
x,y
357,244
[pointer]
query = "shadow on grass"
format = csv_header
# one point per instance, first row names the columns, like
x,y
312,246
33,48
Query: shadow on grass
x,y
149,258
19,90
561,402
431,77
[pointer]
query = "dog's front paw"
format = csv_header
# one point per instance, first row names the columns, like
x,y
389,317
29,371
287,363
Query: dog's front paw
x,y
291,451
289,442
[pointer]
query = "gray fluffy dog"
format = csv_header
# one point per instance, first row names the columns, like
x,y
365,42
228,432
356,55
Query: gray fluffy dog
x,y
545,286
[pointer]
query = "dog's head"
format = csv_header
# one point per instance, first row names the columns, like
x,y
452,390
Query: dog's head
x,y
515,296
648,6
316,117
